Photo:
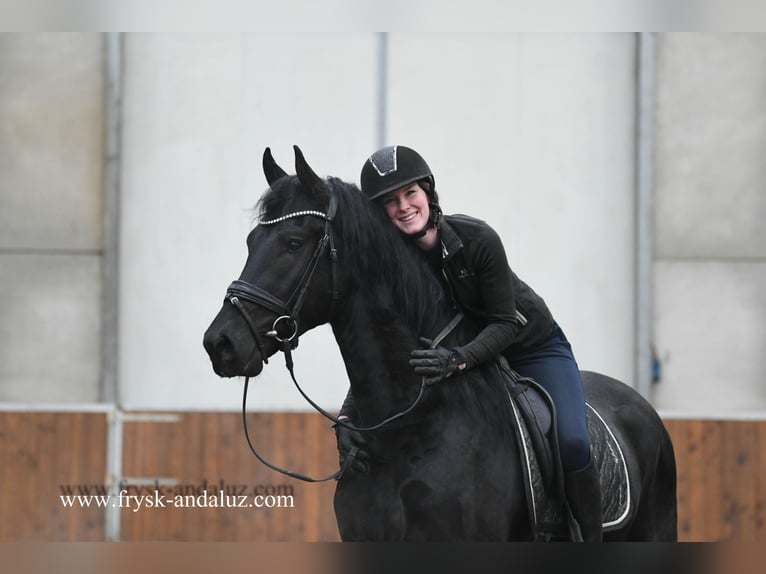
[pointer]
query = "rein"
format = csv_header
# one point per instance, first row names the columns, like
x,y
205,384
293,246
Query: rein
x,y
352,453
242,290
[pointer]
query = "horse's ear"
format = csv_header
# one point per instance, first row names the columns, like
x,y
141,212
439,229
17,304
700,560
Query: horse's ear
x,y
270,168
306,175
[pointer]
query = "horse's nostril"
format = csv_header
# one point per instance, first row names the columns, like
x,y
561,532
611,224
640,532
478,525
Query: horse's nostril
x,y
223,345
218,347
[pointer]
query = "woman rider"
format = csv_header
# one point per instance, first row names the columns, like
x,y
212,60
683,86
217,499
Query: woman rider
x,y
516,321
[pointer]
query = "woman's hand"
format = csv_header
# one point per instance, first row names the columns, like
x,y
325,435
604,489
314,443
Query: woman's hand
x,y
436,364
348,439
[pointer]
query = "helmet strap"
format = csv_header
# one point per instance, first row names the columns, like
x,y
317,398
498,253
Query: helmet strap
x,y
434,216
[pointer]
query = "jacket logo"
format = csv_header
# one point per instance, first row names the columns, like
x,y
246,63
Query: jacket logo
x,y
463,273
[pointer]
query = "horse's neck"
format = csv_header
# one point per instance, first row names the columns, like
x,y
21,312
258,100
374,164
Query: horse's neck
x,y
375,344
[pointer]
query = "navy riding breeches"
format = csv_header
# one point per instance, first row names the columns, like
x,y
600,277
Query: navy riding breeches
x,y
553,365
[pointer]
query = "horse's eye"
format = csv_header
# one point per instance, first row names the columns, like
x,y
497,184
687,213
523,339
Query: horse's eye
x,y
294,245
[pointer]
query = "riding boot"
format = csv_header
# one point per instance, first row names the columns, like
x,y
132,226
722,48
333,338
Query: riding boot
x,y
583,491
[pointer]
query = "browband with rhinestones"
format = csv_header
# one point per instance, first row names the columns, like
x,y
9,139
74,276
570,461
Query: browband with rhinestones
x,y
295,214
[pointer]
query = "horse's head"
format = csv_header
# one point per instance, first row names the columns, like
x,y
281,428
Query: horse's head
x,y
289,283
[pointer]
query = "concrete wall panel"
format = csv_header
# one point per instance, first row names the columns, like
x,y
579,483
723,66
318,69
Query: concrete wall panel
x,y
51,158
535,134
51,135
710,203
199,111
711,333
50,328
711,145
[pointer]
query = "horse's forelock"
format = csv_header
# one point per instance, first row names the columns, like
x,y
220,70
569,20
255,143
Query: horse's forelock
x,y
287,195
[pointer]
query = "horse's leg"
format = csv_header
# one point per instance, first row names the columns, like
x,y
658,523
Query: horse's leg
x,y
428,516
656,517
433,513
364,511
415,512
467,488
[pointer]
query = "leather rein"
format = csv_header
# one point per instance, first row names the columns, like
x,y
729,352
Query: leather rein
x,y
287,312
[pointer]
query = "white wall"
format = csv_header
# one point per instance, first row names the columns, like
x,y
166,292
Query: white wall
x,y
710,266
533,133
51,161
199,110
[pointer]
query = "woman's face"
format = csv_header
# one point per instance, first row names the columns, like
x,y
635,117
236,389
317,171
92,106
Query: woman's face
x,y
407,207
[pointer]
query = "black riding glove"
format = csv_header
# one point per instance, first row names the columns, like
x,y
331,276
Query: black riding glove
x,y
347,439
436,364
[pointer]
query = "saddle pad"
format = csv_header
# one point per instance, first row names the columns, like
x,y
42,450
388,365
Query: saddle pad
x,y
612,469
546,516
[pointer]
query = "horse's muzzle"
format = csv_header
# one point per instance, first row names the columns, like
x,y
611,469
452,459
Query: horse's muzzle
x,y
227,362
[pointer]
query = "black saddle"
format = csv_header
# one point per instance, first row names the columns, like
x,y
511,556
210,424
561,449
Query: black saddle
x,y
535,430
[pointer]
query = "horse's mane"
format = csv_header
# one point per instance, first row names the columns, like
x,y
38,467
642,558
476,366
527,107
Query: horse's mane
x,y
398,278
394,267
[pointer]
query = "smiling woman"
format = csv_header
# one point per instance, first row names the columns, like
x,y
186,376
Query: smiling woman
x,y
514,321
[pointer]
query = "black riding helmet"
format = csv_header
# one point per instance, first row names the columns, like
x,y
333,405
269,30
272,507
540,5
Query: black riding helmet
x,y
393,167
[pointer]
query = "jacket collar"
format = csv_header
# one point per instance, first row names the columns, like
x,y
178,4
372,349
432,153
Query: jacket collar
x,y
451,242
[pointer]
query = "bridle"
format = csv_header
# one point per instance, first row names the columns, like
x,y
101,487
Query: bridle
x,y
287,311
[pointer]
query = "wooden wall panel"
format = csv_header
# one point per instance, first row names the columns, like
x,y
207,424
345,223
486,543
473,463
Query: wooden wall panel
x,y
40,453
721,476
721,479
210,449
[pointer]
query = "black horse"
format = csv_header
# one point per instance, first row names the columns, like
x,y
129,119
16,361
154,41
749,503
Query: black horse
x,y
449,469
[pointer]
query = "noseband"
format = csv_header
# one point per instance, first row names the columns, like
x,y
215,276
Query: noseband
x,y
287,312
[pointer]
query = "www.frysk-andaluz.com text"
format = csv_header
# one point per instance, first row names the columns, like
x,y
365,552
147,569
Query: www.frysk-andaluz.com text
x,y
202,495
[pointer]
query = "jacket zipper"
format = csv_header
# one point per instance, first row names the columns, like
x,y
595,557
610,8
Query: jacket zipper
x,y
449,286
